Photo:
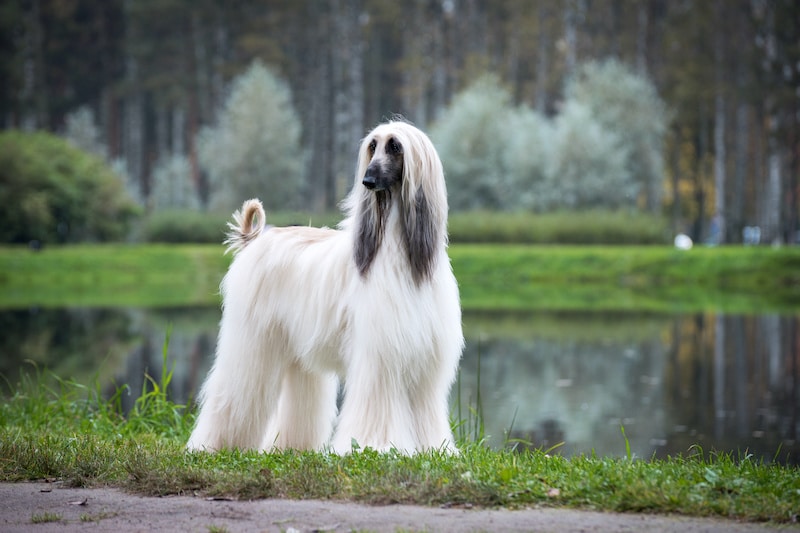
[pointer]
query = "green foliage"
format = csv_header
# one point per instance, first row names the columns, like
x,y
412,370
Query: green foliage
x,y
558,227
82,131
184,225
191,226
55,193
254,150
43,518
470,138
172,184
627,108
602,150
587,165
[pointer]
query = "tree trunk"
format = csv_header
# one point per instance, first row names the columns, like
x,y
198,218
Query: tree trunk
x,y
571,8
33,95
133,130
542,58
742,139
642,19
348,90
719,222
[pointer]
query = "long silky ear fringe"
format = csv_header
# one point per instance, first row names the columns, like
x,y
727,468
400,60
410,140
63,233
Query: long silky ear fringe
x,y
248,222
422,237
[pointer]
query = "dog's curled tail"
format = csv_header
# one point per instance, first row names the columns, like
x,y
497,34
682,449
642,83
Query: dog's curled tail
x,y
248,222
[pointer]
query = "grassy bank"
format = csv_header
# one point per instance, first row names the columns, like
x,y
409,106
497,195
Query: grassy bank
x,y
52,429
491,277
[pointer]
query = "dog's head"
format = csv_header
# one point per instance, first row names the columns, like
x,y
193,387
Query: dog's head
x,y
385,168
398,156
398,166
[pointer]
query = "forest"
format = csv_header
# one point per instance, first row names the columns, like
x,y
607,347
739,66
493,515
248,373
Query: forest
x,y
151,85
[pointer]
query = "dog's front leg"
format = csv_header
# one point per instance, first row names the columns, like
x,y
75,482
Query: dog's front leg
x,y
376,412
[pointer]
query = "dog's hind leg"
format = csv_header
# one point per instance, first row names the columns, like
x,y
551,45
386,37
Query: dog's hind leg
x,y
240,393
306,411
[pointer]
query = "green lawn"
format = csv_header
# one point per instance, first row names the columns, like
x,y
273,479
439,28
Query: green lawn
x,y
491,277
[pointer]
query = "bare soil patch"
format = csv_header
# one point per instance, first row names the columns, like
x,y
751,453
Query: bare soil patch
x,y
35,506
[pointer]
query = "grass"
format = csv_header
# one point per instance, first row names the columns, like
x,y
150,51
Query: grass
x,y
491,277
45,517
614,278
52,428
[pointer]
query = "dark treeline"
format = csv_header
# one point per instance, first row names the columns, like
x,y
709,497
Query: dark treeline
x,y
155,71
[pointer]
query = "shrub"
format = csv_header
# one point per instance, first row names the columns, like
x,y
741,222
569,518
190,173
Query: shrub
x,y
54,192
561,227
185,225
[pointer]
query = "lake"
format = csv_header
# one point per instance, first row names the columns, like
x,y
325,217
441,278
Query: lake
x,y
566,381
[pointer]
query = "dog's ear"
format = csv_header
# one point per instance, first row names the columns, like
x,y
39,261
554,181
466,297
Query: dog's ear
x,y
369,230
422,236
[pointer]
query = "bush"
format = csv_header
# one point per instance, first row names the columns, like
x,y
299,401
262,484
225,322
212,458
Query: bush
x,y
184,225
55,193
584,227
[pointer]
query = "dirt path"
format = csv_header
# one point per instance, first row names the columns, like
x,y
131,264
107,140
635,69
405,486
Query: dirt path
x,y
115,511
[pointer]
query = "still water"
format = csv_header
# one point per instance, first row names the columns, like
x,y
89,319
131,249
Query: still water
x,y
566,381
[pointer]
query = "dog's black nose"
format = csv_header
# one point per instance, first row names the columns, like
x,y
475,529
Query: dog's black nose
x,y
370,181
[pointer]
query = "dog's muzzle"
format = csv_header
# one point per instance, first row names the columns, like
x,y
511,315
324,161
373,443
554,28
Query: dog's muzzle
x,y
370,181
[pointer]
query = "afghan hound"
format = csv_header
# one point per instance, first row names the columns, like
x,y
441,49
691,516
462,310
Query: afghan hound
x,y
373,302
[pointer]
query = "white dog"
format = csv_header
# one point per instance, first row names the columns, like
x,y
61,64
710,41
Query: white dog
x,y
374,303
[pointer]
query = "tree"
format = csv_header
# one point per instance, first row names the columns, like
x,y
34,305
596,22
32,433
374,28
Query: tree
x,y
602,150
627,107
172,184
470,137
589,166
81,130
528,158
254,150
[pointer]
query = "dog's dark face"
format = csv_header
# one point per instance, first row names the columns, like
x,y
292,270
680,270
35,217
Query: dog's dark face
x,y
385,170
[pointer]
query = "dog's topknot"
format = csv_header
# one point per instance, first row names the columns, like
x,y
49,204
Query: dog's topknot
x,y
246,226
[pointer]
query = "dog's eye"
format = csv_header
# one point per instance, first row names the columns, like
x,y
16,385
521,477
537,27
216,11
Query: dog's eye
x,y
371,147
394,147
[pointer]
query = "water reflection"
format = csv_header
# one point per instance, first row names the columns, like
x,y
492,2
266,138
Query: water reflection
x,y
728,383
